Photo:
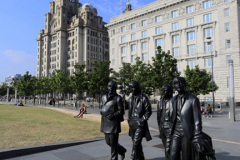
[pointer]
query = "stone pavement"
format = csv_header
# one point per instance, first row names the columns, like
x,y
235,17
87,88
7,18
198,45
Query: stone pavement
x,y
225,135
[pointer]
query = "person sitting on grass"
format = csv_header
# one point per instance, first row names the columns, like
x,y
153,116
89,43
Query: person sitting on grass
x,y
20,103
208,110
82,109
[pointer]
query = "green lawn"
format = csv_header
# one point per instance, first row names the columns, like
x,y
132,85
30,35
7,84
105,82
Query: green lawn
x,y
26,126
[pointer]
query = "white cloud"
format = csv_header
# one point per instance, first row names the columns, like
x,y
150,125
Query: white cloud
x,y
16,62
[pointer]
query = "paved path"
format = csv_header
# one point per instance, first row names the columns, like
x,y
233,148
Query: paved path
x,y
225,135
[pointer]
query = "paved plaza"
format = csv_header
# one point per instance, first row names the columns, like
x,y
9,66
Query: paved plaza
x,y
225,136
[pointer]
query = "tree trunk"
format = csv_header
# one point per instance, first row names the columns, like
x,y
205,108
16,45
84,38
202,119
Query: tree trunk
x,y
45,98
58,99
64,98
25,99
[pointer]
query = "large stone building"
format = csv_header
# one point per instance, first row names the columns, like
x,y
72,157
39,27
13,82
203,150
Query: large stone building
x,y
181,26
73,33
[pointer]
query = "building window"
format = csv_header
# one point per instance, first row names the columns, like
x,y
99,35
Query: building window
x,y
208,32
176,51
190,9
100,50
144,23
228,58
227,27
191,49
158,18
133,47
113,62
76,54
174,14
208,46
158,30
226,12
226,1
191,36
100,42
123,29
133,36
144,34
176,39
58,49
190,22
207,17
88,31
159,42
144,45
208,62
113,51
191,63
228,44
123,50
88,47
175,26
144,57
114,32
59,21
88,39
133,58
133,26
72,56
123,39
76,39
207,4
113,41
123,59
178,65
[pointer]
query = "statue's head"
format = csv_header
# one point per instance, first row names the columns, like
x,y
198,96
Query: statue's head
x,y
135,87
167,91
179,84
112,87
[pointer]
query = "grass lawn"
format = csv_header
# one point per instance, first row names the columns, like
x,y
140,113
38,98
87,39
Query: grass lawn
x,y
25,126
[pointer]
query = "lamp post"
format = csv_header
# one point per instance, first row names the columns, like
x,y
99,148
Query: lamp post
x,y
210,43
232,101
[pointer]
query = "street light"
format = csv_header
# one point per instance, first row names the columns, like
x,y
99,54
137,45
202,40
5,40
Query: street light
x,y
210,43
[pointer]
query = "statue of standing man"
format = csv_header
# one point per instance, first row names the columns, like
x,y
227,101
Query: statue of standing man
x,y
139,112
163,118
186,121
112,112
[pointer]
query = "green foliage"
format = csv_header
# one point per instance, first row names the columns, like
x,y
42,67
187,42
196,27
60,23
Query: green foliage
x,y
123,78
164,69
24,85
100,77
3,90
79,81
143,75
199,81
60,82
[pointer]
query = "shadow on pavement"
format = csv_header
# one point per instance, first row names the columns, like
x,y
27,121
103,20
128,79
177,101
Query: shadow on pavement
x,y
226,156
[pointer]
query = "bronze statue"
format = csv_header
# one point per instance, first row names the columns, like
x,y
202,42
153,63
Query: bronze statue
x,y
163,118
139,112
186,121
112,112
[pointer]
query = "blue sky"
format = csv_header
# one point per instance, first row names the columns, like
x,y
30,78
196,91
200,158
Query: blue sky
x,y
22,20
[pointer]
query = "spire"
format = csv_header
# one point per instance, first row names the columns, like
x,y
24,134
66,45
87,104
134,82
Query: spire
x,y
128,7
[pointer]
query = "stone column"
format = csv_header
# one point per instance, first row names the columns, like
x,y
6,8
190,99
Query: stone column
x,y
7,94
15,96
231,100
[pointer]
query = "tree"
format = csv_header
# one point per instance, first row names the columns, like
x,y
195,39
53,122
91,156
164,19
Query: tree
x,y
143,75
79,81
24,85
100,77
60,82
45,86
123,78
199,81
3,90
164,69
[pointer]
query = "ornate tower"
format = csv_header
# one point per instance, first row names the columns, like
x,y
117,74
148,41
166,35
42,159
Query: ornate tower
x,y
128,7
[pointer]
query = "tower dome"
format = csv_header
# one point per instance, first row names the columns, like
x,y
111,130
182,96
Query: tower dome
x,y
87,5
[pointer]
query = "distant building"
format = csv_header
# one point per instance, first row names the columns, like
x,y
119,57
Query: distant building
x,y
73,33
2,83
9,80
182,27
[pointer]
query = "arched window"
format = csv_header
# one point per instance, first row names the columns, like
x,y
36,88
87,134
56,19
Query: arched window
x,y
69,42
73,42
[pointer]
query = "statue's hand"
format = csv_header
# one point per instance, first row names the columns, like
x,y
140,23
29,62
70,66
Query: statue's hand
x,y
110,116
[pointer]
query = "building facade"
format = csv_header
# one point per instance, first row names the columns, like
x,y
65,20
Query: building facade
x,y
73,33
10,79
182,27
